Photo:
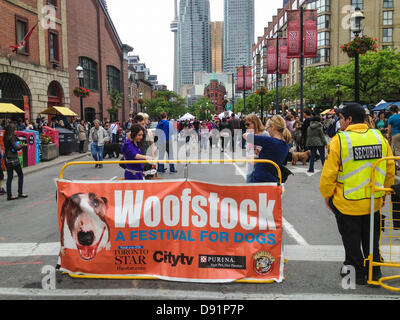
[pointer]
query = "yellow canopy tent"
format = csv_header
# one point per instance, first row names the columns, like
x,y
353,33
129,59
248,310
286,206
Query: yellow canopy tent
x,y
62,111
326,111
10,108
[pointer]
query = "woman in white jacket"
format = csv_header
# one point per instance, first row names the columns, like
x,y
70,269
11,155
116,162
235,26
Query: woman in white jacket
x,y
97,137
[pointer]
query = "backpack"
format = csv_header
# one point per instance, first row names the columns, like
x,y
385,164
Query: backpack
x,y
331,130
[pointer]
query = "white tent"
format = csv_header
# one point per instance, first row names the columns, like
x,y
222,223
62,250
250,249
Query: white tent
x,y
187,116
382,101
225,114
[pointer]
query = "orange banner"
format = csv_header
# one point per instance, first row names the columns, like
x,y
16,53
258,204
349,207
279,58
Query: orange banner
x,y
174,230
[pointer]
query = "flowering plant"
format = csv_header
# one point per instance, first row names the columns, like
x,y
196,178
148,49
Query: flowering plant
x,y
359,45
262,91
44,139
81,92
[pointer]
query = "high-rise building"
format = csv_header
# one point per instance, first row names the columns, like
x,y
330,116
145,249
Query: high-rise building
x,y
238,33
174,29
216,46
194,40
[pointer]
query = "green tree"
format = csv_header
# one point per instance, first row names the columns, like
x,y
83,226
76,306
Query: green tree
x,y
165,101
116,104
379,76
202,109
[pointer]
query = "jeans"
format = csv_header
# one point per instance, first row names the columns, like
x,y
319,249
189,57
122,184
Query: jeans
x,y
164,147
321,151
97,151
10,173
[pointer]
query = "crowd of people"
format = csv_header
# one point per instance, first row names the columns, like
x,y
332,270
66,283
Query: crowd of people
x,y
259,139
357,138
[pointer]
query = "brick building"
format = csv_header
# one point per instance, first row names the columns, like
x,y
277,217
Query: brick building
x,y
333,23
93,43
216,92
36,75
67,33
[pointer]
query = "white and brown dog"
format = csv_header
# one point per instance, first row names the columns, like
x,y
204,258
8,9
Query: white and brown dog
x,y
84,227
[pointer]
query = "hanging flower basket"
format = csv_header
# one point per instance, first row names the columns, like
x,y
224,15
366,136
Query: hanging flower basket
x,y
359,45
262,91
81,92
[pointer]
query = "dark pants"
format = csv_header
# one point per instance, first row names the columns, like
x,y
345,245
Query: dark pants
x,y
81,146
321,151
355,231
10,173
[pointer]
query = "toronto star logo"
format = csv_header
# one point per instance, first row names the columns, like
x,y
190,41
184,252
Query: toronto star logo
x,y
263,262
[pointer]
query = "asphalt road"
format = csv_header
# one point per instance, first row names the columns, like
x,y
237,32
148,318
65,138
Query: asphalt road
x,y
312,245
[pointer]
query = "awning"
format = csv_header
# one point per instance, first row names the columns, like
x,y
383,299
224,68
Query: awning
x,y
326,111
187,116
385,106
63,111
10,108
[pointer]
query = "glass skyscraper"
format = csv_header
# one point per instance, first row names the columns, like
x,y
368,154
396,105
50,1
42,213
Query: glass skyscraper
x,y
238,33
194,39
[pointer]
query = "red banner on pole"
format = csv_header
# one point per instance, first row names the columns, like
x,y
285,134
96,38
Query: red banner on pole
x,y
249,82
293,34
310,34
240,79
271,56
244,79
283,59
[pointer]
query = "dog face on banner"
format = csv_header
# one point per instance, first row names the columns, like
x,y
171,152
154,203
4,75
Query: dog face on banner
x,y
84,226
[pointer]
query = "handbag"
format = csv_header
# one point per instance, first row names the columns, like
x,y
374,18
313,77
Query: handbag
x,y
285,173
122,165
12,162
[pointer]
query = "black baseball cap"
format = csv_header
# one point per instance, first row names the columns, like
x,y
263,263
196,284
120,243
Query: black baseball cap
x,y
354,110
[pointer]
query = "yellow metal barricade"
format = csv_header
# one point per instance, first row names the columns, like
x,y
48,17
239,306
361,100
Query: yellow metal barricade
x,y
184,162
202,161
389,243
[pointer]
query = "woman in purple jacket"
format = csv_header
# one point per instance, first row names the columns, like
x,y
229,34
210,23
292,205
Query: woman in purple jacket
x,y
131,151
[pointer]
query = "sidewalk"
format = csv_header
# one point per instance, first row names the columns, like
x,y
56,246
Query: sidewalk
x,y
59,160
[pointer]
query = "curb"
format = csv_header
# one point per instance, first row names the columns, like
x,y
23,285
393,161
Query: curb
x,y
47,164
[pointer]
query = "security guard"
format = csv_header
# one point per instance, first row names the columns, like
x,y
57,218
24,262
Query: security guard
x,y
344,185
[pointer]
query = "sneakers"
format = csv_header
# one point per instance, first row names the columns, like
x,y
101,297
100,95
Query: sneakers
x,y
2,192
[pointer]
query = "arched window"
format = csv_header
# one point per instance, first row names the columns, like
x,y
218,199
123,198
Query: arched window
x,y
90,73
113,79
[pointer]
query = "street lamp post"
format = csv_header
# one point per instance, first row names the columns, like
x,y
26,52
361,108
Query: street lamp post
x,y
81,75
338,94
306,2
357,26
283,106
278,35
141,101
262,82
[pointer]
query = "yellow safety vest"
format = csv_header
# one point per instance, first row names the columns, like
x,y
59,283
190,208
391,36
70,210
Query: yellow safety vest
x,y
359,152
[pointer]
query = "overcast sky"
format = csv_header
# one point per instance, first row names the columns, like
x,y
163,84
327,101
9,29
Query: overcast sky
x,y
145,26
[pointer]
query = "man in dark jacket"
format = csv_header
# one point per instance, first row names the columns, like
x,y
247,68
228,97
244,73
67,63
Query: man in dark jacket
x,y
304,127
234,124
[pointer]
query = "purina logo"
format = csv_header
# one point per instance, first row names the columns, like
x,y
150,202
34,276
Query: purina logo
x,y
222,262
